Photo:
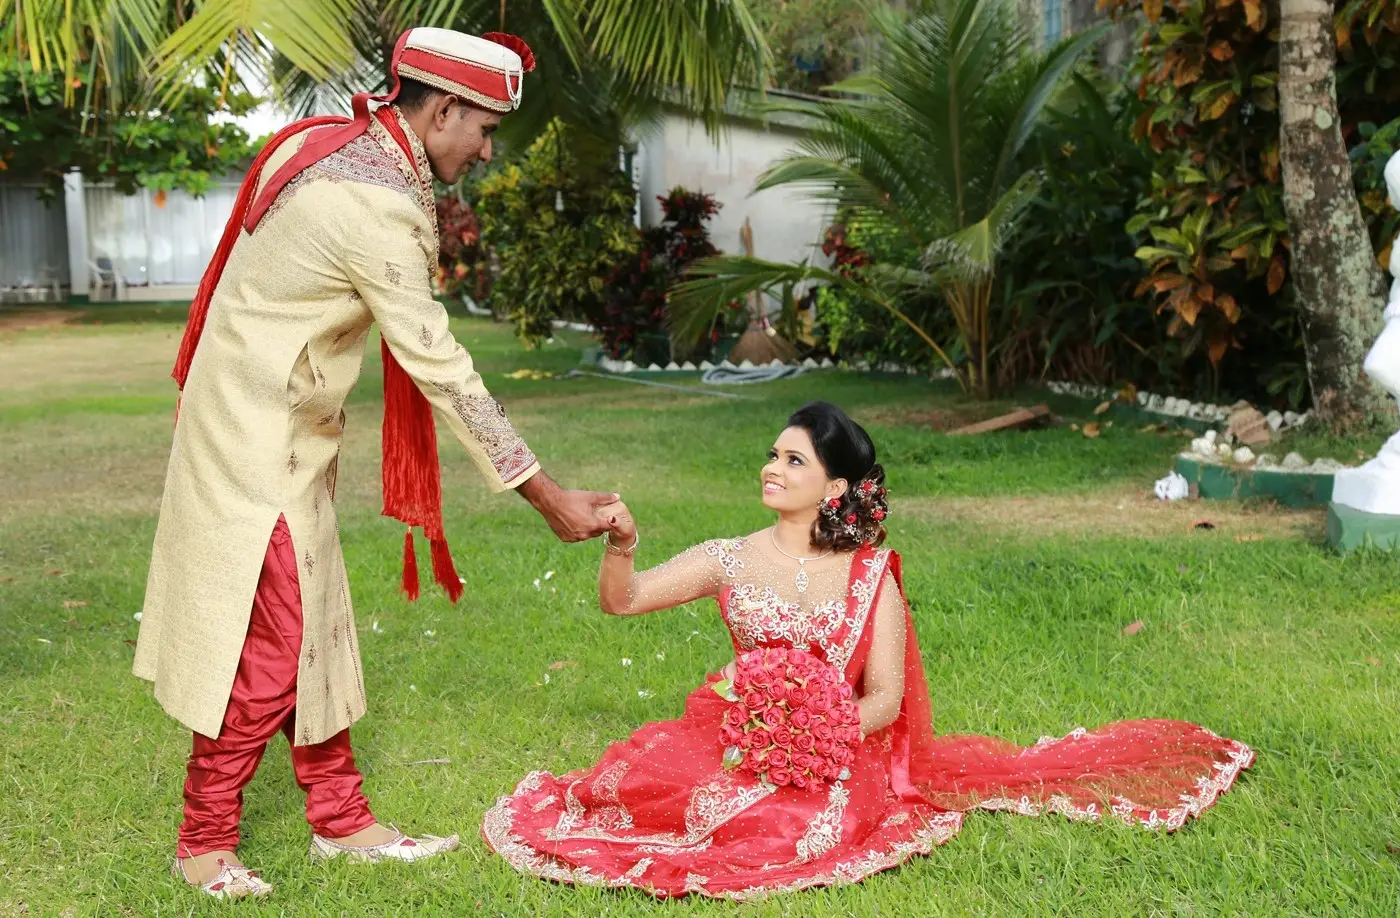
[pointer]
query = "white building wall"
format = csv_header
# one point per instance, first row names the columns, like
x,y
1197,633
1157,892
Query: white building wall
x,y
787,224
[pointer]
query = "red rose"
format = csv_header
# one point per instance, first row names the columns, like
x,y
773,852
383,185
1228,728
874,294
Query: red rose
x,y
746,740
804,742
778,691
782,736
802,761
822,731
730,736
834,503
752,761
824,746
773,673
779,776
753,700
772,717
761,739
851,518
734,717
845,691
777,758
799,780
798,695
800,720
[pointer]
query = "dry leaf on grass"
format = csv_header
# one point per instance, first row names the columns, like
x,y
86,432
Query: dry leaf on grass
x,y
1249,538
560,664
1134,628
1091,430
73,604
1374,661
1103,407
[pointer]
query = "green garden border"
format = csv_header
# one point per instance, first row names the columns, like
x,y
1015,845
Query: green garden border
x,y
1223,482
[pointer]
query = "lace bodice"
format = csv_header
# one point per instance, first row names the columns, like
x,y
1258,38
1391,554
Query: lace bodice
x,y
766,600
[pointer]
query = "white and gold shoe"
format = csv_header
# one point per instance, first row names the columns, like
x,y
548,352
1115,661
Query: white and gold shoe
x,y
233,881
401,848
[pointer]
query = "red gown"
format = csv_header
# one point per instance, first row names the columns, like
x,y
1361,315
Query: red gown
x,y
659,811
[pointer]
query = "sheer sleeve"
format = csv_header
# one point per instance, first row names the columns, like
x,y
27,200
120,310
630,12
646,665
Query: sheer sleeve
x,y
884,668
693,574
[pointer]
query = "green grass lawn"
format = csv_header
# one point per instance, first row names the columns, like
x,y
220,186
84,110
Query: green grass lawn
x,y
1026,555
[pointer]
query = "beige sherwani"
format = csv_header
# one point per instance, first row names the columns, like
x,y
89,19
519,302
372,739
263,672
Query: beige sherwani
x,y
350,241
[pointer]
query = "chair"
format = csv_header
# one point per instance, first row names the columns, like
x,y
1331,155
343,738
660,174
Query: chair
x,y
104,275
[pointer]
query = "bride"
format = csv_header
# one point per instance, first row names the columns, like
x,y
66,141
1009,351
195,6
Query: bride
x,y
662,812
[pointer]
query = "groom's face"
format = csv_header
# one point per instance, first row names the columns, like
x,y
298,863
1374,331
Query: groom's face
x,y
793,478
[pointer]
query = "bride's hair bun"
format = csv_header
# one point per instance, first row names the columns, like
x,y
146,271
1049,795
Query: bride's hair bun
x,y
856,518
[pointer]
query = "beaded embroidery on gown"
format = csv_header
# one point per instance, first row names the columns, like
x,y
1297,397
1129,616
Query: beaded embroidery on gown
x,y
660,812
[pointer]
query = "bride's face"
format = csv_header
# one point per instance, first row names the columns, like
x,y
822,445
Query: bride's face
x,y
793,478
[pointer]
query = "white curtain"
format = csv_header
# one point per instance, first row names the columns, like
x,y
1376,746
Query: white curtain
x,y
33,239
157,243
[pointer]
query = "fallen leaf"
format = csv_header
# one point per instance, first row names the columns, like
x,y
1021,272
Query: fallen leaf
x,y
1091,430
1103,407
1374,661
1074,427
12,580
1249,538
1134,628
560,664
1393,848
73,604
54,573
129,642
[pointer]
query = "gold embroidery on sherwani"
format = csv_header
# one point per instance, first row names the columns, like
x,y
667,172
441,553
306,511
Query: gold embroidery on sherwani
x,y
310,564
392,274
425,336
487,421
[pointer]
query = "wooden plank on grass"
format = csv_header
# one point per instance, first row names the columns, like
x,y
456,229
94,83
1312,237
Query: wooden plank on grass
x,y
1019,419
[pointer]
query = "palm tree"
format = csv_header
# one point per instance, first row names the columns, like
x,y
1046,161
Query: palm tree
x,y
691,51
927,147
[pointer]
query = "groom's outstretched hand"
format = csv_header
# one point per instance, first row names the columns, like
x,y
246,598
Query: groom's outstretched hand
x,y
573,515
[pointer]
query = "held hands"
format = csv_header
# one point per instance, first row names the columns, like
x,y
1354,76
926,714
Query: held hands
x,y
573,515
622,529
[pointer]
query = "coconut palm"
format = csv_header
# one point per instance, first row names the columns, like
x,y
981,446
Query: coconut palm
x,y
927,147
690,50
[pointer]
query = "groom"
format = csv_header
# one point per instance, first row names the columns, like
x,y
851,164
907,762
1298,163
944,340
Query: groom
x,y
247,627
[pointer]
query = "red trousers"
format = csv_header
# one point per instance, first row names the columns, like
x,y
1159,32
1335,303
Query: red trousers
x,y
263,702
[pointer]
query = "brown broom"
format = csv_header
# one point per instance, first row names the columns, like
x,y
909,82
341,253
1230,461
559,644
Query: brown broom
x,y
761,344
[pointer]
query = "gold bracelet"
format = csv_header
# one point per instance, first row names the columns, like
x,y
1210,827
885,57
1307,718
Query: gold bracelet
x,y
621,552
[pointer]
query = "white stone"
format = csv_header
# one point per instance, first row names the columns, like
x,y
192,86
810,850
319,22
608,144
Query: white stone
x,y
706,365
1156,403
1293,462
1210,436
1375,486
688,367
1142,399
1326,466
810,364
746,365
1275,420
1173,487
726,365
1303,418
628,367
1244,455
1266,461
653,369
1195,411
672,367
1224,450
1202,447
1290,418
827,364
775,362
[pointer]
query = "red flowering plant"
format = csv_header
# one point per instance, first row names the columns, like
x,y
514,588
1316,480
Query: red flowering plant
x,y
793,720
461,258
635,297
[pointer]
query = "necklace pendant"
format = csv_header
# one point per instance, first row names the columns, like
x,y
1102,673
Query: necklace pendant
x,y
802,579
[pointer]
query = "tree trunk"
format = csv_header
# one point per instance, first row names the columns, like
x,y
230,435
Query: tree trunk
x,y
1338,284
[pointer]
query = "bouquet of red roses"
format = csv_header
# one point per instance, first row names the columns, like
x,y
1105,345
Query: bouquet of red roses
x,y
793,720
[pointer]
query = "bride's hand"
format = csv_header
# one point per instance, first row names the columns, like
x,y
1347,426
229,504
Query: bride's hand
x,y
620,523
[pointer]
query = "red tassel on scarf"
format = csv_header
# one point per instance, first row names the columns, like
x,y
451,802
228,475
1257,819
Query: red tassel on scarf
x,y
444,571
410,566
